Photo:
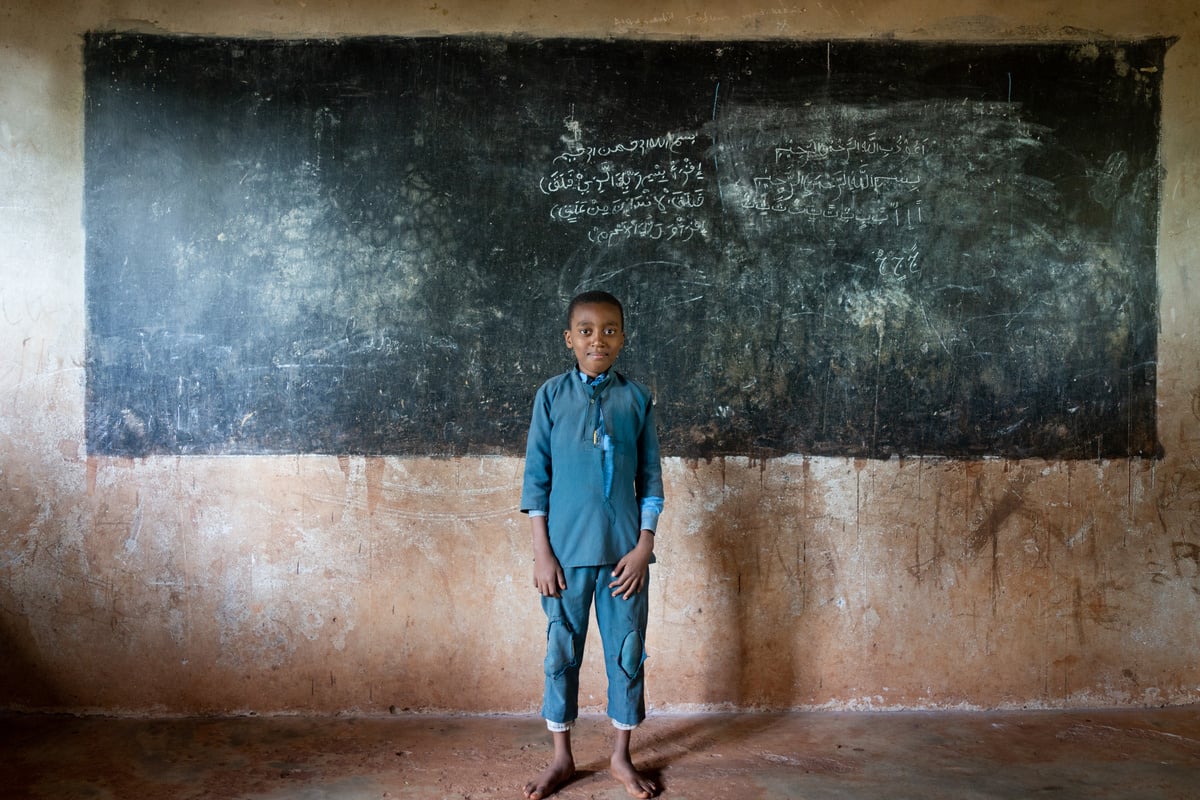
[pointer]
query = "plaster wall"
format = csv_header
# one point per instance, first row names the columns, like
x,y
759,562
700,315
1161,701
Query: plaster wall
x,y
323,584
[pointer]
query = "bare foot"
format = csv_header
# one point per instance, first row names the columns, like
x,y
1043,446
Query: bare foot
x,y
636,784
558,773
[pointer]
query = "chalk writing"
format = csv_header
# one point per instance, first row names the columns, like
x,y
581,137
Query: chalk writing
x,y
862,180
814,150
898,263
578,152
651,184
649,181
624,206
808,183
681,229
635,22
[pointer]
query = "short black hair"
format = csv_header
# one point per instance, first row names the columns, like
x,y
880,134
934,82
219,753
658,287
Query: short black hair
x,y
595,296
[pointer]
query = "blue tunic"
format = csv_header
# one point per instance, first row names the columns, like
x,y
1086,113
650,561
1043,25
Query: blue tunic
x,y
565,467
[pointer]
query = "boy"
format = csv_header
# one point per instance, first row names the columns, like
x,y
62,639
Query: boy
x,y
593,493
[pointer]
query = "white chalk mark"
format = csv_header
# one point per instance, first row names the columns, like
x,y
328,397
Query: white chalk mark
x,y
716,165
936,333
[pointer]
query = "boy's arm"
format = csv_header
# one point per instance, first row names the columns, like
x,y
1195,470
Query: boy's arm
x,y
648,481
548,574
535,484
548,577
632,571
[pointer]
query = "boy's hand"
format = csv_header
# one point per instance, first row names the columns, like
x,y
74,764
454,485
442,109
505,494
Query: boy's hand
x,y
631,572
548,576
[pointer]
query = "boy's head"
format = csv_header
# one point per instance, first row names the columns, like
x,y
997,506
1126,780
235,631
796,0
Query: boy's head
x,y
595,331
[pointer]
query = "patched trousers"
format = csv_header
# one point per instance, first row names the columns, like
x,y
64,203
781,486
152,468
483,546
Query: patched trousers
x,y
622,626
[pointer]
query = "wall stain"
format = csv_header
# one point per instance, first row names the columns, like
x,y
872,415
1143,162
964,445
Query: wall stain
x,y
375,469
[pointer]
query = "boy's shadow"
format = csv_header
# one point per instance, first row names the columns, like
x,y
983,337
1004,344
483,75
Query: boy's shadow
x,y
707,732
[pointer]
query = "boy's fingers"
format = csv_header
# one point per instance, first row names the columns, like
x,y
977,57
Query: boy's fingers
x,y
630,586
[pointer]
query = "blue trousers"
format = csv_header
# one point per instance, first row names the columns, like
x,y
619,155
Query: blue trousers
x,y
622,625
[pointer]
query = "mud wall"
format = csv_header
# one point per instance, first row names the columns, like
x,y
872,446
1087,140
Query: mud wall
x,y
352,583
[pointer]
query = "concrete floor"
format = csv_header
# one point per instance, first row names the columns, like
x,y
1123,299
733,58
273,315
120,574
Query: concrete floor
x,y
800,756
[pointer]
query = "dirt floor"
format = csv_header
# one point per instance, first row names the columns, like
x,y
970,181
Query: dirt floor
x,y
801,756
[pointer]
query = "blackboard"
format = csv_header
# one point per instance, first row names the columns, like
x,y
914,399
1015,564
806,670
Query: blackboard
x,y
855,248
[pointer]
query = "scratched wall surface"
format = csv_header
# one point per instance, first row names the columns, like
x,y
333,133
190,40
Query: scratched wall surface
x,y
354,583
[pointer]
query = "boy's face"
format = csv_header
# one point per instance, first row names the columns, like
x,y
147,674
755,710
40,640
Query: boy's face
x,y
595,336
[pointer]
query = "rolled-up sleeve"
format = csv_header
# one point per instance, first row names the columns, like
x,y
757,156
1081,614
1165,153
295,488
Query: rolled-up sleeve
x,y
651,508
649,476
